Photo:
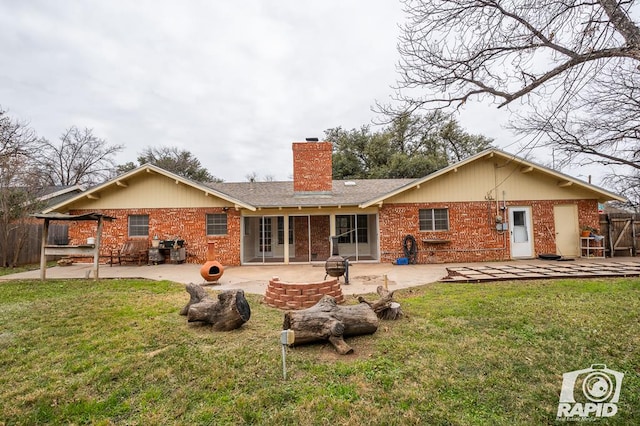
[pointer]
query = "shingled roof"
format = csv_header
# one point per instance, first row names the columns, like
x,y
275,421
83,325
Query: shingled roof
x,y
281,194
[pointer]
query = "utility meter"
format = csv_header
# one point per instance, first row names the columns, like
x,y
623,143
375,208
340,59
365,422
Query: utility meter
x,y
287,337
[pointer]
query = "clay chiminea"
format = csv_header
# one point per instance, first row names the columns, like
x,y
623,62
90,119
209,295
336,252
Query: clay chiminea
x,y
212,270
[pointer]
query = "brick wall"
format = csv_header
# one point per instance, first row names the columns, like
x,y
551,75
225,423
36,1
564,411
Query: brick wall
x,y
301,231
472,235
588,213
312,166
472,232
285,295
188,224
320,229
320,243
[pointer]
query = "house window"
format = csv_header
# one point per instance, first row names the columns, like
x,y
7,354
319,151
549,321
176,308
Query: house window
x,y
217,224
138,225
434,219
281,229
363,228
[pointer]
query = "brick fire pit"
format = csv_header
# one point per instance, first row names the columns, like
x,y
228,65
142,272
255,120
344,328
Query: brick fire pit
x,y
284,295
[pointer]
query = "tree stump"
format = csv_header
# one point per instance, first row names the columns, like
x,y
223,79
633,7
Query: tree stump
x,y
385,308
227,312
326,320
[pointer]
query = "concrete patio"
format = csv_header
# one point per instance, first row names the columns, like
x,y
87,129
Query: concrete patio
x,y
363,277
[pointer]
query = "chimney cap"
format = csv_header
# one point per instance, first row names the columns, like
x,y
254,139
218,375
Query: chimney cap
x,y
312,139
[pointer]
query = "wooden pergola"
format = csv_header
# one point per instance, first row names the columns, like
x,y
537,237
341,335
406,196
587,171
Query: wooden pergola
x,y
67,250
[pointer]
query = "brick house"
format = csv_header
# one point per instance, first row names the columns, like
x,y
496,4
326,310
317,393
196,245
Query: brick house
x,y
491,206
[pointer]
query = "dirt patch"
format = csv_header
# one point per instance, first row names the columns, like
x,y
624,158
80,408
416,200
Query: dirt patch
x,y
363,348
6,339
158,351
370,280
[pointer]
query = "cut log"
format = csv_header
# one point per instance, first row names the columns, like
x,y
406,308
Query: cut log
x,y
385,308
226,312
326,320
197,294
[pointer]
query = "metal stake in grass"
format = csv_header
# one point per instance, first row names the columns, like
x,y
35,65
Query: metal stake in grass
x,y
286,338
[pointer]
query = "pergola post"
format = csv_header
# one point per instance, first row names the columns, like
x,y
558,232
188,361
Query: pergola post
x,y
43,256
96,254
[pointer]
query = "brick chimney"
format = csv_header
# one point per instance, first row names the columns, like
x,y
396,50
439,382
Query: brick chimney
x,y
312,166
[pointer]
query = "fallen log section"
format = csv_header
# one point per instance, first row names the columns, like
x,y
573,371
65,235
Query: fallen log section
x,y
326,320
226,312
385,308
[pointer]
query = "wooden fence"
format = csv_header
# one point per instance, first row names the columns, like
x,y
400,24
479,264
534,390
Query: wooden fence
x,y
621,232
30,251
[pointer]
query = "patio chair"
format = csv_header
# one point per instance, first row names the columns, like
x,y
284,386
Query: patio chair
x,y
131,251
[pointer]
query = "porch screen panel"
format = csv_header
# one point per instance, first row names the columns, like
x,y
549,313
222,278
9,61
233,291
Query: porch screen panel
x,y
250,238
281,230
356,236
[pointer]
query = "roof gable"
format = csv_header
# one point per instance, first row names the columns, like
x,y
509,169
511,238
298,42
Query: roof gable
x,y
136,185
523,179
486,175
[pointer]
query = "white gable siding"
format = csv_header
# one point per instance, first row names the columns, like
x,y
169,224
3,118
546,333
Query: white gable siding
x,y
150,190
479,179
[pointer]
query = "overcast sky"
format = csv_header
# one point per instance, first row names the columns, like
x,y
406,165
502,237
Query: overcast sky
x,y
234,82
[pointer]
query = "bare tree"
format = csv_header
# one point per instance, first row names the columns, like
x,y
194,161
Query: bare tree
x,y
599,125
79,158
629,187
570,69
508,49
17,139
19,187
253,177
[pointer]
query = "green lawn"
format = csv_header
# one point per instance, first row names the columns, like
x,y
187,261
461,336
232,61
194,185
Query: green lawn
x,y
117,352
17,269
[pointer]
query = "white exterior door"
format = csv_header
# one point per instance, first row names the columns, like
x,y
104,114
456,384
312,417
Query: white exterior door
x,y
520,232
